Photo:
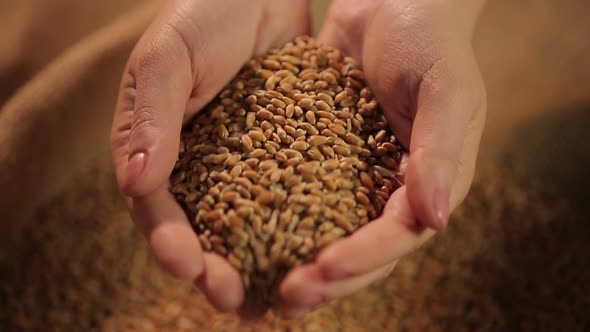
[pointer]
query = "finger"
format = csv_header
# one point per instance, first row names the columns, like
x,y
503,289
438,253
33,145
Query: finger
x,y
169,234
343,26
282,21
389,237
445,138
149,114
221,284
306,287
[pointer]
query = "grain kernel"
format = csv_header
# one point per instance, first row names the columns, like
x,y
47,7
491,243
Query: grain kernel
x,y
380,137
300,145
305,103
271,64
246,143
337,129
250,119
257,153
322,105
353,139
331,164
265,197
310,116
342,150
257,136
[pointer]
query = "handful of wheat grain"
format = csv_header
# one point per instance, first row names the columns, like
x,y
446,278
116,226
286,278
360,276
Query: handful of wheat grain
x,y
292,155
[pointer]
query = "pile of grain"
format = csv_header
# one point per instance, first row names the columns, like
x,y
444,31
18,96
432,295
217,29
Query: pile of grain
x,y
293,154
512,259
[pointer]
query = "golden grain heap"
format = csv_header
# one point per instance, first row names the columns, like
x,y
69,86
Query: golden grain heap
x,y
293,154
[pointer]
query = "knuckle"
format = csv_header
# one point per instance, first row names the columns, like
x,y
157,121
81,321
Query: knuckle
x,y
164,49
143,120
149,57
166,254
158,48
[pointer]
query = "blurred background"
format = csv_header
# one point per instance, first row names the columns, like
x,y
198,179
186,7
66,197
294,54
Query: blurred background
x,y
515,257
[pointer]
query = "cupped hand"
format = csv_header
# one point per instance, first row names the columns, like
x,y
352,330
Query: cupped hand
x,y
192,49
419,63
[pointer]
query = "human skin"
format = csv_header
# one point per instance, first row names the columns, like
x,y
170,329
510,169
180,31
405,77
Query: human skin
x,y
418,60
182,61
419,63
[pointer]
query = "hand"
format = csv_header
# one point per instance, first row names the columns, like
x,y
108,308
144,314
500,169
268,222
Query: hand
x,y
419,63
192,49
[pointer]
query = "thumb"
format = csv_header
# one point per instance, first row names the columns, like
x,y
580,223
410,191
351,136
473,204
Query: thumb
x,y
445,138
149,114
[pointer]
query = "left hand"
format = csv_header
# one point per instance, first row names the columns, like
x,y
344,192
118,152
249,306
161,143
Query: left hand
x,y
419,63
181,62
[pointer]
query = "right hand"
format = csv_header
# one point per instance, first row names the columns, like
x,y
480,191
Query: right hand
x,y
192,49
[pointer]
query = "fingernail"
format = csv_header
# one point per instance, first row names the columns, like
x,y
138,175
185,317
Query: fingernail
x,y
441,207
135,167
